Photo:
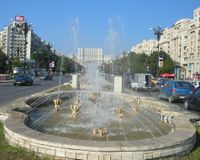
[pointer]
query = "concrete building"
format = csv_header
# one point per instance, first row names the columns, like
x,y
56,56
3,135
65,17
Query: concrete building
x,y
19,40
182,43
1,40
146,46
87,55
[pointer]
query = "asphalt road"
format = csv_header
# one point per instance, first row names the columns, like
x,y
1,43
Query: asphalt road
x,y
8,92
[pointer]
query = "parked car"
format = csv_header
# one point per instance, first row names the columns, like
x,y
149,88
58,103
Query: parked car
x,y
23,80
46,77
193,101
175,90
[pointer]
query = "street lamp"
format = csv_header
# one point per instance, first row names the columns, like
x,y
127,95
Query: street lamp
x,y
158,32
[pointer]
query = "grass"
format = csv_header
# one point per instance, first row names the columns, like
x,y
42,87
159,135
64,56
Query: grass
x,y
62,88
8,152
195,154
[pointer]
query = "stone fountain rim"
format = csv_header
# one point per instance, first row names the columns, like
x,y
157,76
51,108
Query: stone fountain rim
x,y
183,134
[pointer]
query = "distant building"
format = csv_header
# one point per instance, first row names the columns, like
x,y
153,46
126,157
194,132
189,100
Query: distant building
x,y
19,40
147,47
1,39
87,55
182,43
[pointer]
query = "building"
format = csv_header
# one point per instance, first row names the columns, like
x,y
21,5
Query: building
x,y
146,46
182,43
1,40
19,40
87,55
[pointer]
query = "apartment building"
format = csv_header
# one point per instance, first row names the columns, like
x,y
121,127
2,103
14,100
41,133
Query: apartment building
x,y
19,40
146,46
182,43
87,55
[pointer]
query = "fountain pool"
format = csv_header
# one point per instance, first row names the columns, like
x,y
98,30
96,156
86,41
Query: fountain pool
x,y
107,125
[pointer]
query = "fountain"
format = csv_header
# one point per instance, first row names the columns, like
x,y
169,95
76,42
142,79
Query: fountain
x,y
99,125
91,124
75,107
57,103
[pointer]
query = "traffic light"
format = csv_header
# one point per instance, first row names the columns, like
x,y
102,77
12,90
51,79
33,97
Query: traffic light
x,y
160,63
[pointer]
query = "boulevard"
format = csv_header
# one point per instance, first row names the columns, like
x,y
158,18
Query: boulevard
x,y
9,93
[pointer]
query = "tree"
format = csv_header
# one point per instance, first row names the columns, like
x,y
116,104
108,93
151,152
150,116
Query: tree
x,y
4,62
152,62
168,63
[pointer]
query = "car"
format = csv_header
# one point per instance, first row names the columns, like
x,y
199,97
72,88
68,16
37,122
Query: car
x,y
161,81
46,77
175,90
193,101
23,80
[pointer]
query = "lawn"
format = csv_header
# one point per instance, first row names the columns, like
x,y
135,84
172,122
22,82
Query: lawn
x,y
14,153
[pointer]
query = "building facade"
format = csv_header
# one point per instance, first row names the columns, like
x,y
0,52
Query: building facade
x,y
182,43
147,47
87,55
19,40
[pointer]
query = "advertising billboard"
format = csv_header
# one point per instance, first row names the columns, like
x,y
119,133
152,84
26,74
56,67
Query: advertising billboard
x,y
19,18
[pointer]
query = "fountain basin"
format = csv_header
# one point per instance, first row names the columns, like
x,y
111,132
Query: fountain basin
x,y
179,139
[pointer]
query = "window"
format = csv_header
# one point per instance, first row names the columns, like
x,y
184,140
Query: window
x,y
183,85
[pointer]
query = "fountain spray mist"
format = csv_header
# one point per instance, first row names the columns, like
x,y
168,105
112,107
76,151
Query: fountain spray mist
x,y
60,74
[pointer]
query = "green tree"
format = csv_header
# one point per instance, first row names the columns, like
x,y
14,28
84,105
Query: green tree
x,y
168,63
137,63
152,62
3,62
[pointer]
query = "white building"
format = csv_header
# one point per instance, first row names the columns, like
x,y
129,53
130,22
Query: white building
x,y
19,40
87,55
146,46
181,42
1,40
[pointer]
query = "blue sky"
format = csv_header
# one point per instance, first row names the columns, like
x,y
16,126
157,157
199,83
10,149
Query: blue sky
x,y
114,25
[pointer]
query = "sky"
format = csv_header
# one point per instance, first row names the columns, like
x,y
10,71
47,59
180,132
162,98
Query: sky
x,y
114,25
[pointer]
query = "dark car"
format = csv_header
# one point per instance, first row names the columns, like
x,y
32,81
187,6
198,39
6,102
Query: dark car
x,y
175,90
46,77
193,101
23,80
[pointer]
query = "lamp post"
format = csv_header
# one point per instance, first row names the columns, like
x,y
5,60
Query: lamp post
x,y
158,32
26,29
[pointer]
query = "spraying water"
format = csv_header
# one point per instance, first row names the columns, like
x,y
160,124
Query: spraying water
x,y
60,74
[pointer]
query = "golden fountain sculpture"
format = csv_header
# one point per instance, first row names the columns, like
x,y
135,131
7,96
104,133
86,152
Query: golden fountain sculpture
x,y
75,107
100,132
133,106
94,97
120,112
57,103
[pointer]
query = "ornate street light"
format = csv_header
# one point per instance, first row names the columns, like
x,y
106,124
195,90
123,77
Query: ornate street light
x,y
158,31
